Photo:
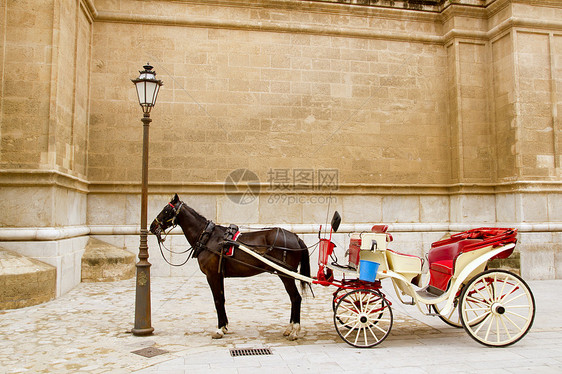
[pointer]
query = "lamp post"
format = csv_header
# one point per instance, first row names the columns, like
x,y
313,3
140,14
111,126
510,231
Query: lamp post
x,y
147,90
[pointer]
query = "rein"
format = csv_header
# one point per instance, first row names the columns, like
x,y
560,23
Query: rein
x,y
161,244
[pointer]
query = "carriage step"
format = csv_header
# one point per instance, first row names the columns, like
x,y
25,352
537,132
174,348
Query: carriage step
x,y
429,292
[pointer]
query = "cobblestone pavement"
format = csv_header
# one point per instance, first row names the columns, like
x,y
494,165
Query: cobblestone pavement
x,y
87,331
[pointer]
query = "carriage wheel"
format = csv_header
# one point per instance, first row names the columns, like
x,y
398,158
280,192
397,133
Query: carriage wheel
x,y
497,308
452,318
336,297
363,318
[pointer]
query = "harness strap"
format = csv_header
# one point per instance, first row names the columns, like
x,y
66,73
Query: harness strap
x,y
232,233
227,248
176,212
203,238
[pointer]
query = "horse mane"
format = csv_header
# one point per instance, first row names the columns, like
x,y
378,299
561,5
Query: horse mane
x,y
194,212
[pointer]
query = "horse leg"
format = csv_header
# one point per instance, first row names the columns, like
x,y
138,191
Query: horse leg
x,y
216,282
294,327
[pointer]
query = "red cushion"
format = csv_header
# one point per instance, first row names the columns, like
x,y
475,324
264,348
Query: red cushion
x,y
444,266
448,251
439,280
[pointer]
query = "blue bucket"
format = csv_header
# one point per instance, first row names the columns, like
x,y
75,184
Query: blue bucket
x,y
368,270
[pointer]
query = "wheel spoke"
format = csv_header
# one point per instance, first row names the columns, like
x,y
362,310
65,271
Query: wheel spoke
x,y
344,318
487,314
494,284
379,328
513,323
497,329
484,298
351,330
349,310
489,327
372,333
359,302
513,298
375,306
451,313
475,309
509,293
475,300
517,315
367,303
377,320
490,288
503,285
346,324
506,329
354,302
357,336
350,304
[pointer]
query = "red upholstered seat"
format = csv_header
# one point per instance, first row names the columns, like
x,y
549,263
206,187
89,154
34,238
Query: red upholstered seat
x,y
442,261
444,266
443,254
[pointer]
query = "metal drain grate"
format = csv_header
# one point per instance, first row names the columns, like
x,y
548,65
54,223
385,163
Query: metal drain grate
x,y
149,352
235,352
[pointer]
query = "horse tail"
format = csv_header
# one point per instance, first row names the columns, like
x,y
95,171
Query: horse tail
x,y
305,265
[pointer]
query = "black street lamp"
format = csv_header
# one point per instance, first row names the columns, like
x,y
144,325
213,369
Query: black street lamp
x,y
147,90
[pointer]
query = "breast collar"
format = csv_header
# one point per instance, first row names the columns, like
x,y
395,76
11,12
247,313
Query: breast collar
x,y
201,244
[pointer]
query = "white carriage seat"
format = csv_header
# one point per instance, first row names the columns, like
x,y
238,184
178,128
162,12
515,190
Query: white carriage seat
x,y
355,244
410,266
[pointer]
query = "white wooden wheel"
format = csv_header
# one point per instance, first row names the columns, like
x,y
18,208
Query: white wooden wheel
x,y
497,308
452,318
363,318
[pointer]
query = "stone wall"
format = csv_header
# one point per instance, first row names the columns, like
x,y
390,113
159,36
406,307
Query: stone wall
x,y
44,132
432,116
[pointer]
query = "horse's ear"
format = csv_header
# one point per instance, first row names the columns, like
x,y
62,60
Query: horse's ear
x,y
175,199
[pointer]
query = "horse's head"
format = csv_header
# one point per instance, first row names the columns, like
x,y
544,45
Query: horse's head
x,y
166,218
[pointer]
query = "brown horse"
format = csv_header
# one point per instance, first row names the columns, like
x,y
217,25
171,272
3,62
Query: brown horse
x,y
208,242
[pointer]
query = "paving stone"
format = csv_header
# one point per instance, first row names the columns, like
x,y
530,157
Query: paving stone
x,y
87,330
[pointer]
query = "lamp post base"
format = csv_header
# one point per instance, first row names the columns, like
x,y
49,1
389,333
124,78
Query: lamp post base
x,y
143,332
143,323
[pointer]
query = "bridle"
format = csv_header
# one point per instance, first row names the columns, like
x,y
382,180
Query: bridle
x,y
160,228
195,250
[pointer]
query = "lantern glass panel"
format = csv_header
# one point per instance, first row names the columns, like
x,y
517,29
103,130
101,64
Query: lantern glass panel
x,y
150,87
141,92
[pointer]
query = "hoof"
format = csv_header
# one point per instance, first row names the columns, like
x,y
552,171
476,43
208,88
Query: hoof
x,y
292,331
288,330
220,332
